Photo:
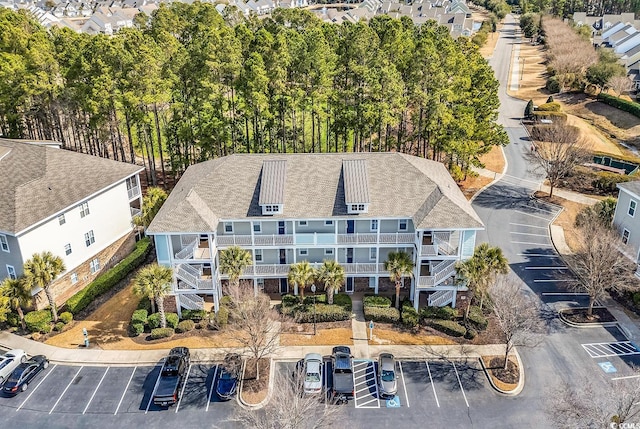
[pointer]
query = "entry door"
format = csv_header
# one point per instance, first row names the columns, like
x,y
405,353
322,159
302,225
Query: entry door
x,y
282,228
349,285
284,286
349,255
283,256
351,226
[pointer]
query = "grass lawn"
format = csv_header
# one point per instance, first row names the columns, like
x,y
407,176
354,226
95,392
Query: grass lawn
x,y
324,337
383,336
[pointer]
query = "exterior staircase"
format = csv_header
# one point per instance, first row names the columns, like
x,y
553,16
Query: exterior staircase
x,y
190,301
441,298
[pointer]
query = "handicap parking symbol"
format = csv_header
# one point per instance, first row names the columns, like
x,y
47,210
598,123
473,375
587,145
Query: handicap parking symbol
x,y
607,367
393,402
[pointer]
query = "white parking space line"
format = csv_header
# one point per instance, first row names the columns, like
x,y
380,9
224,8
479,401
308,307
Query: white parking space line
x,y
125,390
154,391
404,384
36,388
184,384
65,390
546,268
601,350
624,378
533,244
365,371
326,390
538,255
529,226
532,215
362,390
460,383
564,293
213,383
368,402
432,385
95,391
528,233
552,280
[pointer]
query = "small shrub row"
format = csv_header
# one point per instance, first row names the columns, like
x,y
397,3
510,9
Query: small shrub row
x,y
323,313
195,315
140,316
185,326
109,279
477,318
607,182
65,317
158,333
382,315
290,300
448,327
154,320
410,317
136,328
38,321
618,103
376,301
444,313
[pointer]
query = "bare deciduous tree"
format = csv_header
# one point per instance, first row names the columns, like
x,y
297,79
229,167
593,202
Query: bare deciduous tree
x,y
557,158
290,408
598,263
517,314
620,84
588,407
257,325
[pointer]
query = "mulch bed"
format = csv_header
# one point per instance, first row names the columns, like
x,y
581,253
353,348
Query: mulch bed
x,y
254,391
291,327
579,315
509,375
626,300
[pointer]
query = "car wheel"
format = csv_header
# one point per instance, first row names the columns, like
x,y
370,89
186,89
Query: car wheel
x,y
45,365
23,359
24,387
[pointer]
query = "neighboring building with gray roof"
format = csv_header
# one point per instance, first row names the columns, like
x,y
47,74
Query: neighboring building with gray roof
x,y
76,206
626,220
355,208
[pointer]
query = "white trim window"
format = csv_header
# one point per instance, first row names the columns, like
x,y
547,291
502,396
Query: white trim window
x,y
11,272
257,227
228,227
84,209
302,223
74,278
258,255
67,249
403,225
89,239
303,252
328,252
328,222
632,208
61,219
4,244
373,252
374,225
625,236
260,283
94,265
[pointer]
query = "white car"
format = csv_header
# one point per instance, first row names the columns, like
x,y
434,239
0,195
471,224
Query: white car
x,y
313,373
9,361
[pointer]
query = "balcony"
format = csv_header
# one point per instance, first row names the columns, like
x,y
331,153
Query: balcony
x,y
314,239
193,248
438,274
133,192
439,244
282,270
191,277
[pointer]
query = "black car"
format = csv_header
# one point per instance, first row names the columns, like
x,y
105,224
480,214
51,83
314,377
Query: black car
x,y
227,383
172,377
20,378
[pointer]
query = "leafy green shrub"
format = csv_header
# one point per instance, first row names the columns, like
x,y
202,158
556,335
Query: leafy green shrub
x,y
376,301
13,320
446,313
320,299
290,300
619,103
636,299
186,326
550,107
195,315
607,181
136,329
38,321
343,300
553,86
448,327
471,334
382,315
172,320
226,300
324,313
59,327
477,318
153,321
65,317
428,312
145,304
161,333
222,317
109,279
410,317
139,316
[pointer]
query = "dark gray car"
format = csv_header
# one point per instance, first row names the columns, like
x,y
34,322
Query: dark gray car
x,y
387,380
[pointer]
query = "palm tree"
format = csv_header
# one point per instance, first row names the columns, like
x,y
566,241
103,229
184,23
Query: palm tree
x,y
40,271
233,261
302,274
151,204
331,273
481,269
18,294
154,280
399,265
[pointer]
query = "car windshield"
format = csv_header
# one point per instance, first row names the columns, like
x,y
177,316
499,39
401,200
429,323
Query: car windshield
x,y
388,376
226,376
312,377
15,377
5,363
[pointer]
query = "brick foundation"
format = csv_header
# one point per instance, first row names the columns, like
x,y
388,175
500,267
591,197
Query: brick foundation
x,y
170,304
63,289
361,284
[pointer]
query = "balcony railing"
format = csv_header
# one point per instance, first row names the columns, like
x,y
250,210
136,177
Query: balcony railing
x,y
441,272
135,212
280,270
314,239
133,192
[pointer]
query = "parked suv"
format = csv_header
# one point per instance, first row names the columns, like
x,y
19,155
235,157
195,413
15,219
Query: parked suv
x,y
172,376
341,360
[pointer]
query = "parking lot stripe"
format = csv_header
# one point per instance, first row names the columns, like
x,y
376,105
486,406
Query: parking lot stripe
x,y
529,226
213,382
125,390
432,386
184,384
362,382
553,280
564,293
533,244
546,268
538,255
368,402
624,378
155,386
532,215
363,389
36,388
460,383
601,350
529,233
65,390
95,391
404,385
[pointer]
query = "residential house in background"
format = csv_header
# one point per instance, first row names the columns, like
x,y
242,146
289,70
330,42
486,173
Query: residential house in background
x,y
286,208
626,220
79,207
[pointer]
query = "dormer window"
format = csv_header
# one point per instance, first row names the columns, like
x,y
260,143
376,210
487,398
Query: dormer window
x,y
273,179
270,209
356,185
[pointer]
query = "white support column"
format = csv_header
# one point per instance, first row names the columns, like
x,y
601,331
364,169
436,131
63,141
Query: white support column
x,y
416,300
216,303
453,302
377,284
178,307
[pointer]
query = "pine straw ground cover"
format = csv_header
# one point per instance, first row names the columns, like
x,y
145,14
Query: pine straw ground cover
x,y
255,390
504,379
327,333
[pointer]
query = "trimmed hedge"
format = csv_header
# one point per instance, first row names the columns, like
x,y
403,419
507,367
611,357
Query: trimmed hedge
x,y
136,328
382,315
153,321
172,320
618,103
410,317
139,316
550,107
65,317
38,321
290,300
376,301
448,327
108,280
324,313
59,327
343,300
195,315
145,304
158,333
185,326
222,318
477,318
608,182
444,313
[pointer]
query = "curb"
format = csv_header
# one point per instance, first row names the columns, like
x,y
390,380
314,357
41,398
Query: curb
x,y
267,398
496,178
519,387
585,325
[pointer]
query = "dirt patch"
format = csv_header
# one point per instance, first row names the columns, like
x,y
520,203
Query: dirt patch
x,y
504,379
579,315
332,337
254,390
389,334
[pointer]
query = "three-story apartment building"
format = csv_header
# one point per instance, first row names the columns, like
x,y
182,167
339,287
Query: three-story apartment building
x,y
79,207
287,208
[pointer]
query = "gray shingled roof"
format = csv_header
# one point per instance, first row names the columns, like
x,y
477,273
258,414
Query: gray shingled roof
x,y
632,187
37,182
399,186
356,182
272,181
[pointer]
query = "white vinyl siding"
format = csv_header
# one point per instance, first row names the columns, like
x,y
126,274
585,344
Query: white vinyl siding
x,y
89,239
84,209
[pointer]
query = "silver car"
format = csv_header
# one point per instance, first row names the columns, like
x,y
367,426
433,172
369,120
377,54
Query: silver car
x,y
387,380
313,373
9,361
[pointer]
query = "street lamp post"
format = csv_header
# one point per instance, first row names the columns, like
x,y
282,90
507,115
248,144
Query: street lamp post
x,y
313,289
